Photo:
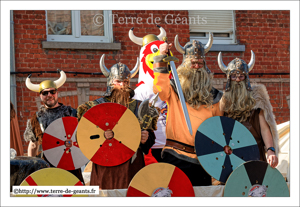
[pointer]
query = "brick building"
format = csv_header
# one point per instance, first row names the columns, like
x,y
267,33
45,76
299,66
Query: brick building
x,y
265,32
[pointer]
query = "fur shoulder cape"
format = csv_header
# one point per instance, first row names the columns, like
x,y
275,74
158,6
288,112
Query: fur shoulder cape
x,y
260,94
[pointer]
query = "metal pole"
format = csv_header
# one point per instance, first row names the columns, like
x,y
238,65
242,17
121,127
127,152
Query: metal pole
x,y
13,85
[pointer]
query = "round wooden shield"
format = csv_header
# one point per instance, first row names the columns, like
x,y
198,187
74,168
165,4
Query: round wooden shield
x,y
217,134
160,180
51,177
60,146
109,152
256,179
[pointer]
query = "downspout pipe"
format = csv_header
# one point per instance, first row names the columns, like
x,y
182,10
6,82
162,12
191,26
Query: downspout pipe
x,y
13,85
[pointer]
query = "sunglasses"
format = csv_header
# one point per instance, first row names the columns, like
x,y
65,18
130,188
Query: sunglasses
x,y
45,93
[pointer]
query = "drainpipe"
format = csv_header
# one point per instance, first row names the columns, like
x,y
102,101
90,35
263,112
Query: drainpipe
x,y
13,85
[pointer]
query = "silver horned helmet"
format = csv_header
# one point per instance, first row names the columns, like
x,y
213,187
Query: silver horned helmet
x,y
118,71
237,66
194,49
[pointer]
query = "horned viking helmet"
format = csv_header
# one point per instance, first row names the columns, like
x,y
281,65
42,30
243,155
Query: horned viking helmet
x,y
148,38
118,71
194,49
46,83
238,66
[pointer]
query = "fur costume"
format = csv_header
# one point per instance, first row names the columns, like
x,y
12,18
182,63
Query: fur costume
x,y
45,117
84,107
260,94
40,121
33,130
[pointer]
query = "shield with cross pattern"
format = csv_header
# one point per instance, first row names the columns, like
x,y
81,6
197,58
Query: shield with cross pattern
x,y
60,146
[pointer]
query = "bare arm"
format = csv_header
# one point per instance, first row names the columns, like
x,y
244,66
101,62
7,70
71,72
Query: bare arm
x,y
221,105
218,109
268,140
33,148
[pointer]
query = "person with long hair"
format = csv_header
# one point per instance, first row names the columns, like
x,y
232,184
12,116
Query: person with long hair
x,y
202,102
251,106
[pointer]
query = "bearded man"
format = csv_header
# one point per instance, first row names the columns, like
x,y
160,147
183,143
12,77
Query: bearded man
x,y
250,106
202,102
118,91
47,113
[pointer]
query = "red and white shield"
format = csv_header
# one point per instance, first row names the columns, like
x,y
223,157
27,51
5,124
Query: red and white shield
x,y
60,146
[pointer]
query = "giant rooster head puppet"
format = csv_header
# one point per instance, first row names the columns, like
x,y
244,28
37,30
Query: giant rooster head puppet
x,y
150,48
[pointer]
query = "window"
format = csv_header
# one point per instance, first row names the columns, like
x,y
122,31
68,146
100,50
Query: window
x,y
79,26
221,23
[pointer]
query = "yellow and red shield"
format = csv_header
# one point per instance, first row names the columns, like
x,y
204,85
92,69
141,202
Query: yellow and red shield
x,y
160,179
109,152
51,177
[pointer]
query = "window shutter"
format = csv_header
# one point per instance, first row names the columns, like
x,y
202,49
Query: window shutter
x,y
211,21
221,23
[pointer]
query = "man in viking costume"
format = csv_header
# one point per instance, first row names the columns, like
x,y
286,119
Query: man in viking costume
x,y
150,48
47,113
251,106
118,91
201,99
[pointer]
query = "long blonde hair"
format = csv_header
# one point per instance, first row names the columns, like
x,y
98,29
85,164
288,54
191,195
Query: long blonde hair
x,y
196,85
238,102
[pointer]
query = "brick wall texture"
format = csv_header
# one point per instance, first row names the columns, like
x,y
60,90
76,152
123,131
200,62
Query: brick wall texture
x,y
267,33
